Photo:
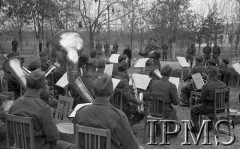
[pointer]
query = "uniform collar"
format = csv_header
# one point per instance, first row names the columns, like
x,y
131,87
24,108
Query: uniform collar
x,y
31,94
101,101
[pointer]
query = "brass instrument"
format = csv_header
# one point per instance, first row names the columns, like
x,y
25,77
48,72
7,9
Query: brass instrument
x,y
140,108
67,47
13,65
156,73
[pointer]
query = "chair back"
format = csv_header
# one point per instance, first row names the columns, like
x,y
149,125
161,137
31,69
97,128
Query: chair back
x,y
155,105
23,132
117,99
221,100
64,107
92,138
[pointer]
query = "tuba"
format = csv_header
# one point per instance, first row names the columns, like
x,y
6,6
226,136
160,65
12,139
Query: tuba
x,y
14,66
67,48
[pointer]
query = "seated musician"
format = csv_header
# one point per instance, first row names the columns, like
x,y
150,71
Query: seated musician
x,y
186,90
224,71
45,62
169,92
88,79
100,67
30,105
129,102
45,95
206,100
101,114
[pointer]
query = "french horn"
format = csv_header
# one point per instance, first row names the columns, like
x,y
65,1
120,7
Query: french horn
x,y
67,48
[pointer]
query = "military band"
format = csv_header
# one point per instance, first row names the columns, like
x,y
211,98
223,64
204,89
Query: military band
x,y
94,86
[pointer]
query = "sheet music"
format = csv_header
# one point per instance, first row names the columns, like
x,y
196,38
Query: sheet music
x,y
182,61
175,81
141,63
198,80
79,106
237,67
50,70
141,81
63,81
114,58
108,69
115,82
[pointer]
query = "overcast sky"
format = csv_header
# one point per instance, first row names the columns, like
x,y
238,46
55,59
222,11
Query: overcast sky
x,y
227,8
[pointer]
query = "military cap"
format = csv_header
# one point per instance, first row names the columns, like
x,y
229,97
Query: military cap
x,y
199,58
226,61
166,70
103,86
35,64
212,62
36,79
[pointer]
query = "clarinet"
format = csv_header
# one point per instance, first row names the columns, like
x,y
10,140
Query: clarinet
x,y
140,108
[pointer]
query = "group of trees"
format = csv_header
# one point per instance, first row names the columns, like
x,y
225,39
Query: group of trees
x,y
171,21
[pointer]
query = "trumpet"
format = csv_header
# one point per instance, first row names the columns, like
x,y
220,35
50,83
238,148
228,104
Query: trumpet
x,y
140,108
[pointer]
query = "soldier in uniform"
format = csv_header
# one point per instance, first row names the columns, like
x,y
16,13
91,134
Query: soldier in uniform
x,y
164,51
169,92
128,52
101,114
153,52
186,90
216,53
224,71
14,45
30,105
206,100
45,62
100,67
107,49
99,48
191,51
115,47
207,54
130,103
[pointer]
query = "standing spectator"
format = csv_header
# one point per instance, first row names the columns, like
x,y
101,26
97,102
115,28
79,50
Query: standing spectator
x,y
153,52
107,49
164,51
14,45
216,52
128,52
191,51
99,48
207,54
115,47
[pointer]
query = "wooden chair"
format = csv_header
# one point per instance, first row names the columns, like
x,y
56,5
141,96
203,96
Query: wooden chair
x,y
154,109
194,97
117,99
221,106
93,138
23,132
64,108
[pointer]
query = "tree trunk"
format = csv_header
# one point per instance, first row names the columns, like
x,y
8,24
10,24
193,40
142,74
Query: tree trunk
x,y
91,40
199,48
20,36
